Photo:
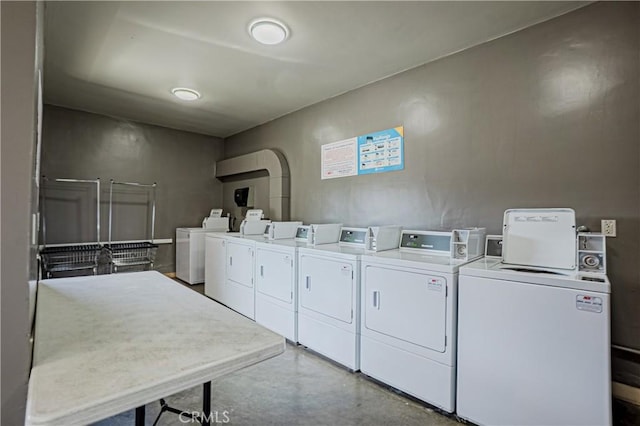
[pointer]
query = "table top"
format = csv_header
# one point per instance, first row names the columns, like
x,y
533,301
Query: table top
x,y
108,343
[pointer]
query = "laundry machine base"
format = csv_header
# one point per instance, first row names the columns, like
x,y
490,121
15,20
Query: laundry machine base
x,y
425,379
240,298
335,343
276,318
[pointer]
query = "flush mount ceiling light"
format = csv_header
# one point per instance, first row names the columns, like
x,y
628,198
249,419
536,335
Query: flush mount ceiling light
x,y
185,94
268,31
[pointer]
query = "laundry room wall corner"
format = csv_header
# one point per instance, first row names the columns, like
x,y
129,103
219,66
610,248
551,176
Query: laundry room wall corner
x,y
83,145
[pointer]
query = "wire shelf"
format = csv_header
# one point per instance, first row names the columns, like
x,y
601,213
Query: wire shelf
x,y
131,254
65,259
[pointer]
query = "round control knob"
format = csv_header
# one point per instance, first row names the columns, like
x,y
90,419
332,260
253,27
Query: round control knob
x,y
591,261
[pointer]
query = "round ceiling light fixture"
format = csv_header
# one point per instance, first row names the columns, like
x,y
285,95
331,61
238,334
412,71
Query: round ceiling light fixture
x,y
268,31
185,94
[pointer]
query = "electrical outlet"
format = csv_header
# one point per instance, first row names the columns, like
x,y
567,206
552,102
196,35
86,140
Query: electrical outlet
x,y
608,227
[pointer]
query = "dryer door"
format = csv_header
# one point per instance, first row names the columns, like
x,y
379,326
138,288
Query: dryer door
x,y
240,263
274,271
406,305
326,287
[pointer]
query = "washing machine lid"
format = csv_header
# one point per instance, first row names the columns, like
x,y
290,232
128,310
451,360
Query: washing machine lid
x,y
495,269
544,238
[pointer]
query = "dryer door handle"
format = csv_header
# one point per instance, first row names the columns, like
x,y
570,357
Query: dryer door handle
x,y
376,299
262,270
308,283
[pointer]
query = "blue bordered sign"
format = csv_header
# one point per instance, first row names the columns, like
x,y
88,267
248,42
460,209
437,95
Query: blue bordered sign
x,y
381,151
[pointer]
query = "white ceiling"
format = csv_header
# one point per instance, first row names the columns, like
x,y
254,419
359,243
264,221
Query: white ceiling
x,y
122,58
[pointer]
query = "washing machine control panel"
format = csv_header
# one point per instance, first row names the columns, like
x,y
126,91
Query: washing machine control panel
x,y
353,235
436,241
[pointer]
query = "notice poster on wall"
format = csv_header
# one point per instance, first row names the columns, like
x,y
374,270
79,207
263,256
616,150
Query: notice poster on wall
x,y
340,159
376,152
381,151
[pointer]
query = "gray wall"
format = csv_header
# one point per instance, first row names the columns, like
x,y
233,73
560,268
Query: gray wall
x,y
19,36
82,145
545,117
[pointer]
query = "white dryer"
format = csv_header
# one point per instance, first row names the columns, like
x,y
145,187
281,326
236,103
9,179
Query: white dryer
x,y
217,256
239,290
276,283
408,323
230,270
534,341
328,297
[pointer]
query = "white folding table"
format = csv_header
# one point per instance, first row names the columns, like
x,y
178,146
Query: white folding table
x,y
110,343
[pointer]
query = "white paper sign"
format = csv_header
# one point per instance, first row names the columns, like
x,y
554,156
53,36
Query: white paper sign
x,y
340,159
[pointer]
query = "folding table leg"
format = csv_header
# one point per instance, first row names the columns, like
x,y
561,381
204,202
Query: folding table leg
x,y
204,418
140,416
206,404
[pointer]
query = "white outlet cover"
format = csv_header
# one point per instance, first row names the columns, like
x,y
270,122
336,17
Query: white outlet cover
x,y
608,227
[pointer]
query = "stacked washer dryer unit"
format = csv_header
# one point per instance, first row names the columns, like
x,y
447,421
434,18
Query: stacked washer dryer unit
x,y
533,331
408,324
276,277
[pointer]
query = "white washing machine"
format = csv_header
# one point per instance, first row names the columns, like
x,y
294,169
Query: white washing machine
x,y
328,297
408,323
190,253
276,284
534,341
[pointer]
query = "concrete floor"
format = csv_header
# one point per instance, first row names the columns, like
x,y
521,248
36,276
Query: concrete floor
x,y
295,388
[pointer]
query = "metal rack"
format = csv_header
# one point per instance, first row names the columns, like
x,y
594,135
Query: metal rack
x,y
133,254
73,258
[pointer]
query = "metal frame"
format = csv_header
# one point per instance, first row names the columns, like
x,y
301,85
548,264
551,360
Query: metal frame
x,y
132,254
72,257
204,418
